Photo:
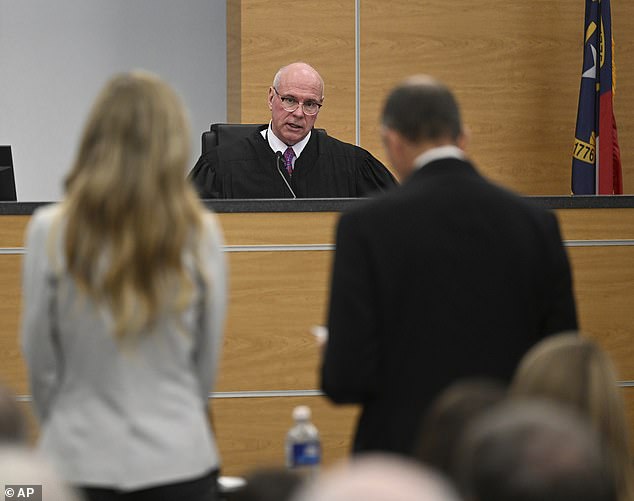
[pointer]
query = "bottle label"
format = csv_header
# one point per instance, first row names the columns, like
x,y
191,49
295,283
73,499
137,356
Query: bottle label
x,y
306,454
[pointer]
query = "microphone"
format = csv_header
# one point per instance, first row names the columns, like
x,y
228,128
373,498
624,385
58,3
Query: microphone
x,y
278,159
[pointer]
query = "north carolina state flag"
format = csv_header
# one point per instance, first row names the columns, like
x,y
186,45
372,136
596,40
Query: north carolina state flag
x,y
596,158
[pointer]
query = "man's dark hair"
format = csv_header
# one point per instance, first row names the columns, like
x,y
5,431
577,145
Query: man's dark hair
x,y
422,109
534,451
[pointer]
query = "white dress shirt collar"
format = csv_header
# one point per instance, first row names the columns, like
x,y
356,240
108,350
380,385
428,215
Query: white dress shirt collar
x,y
277,144
447,151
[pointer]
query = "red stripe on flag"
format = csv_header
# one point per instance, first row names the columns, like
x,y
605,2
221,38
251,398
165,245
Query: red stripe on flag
x,y
609,179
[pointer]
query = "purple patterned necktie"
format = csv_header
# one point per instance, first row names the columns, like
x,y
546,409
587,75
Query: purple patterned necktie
x,y
289,154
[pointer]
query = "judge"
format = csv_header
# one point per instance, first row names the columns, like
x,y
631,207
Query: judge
x,y
288,158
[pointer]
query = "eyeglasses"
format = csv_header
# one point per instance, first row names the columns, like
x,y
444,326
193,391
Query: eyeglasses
x,y
290,104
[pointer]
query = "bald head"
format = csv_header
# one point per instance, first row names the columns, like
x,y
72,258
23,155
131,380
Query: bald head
x,y
298,72
378,478
422,109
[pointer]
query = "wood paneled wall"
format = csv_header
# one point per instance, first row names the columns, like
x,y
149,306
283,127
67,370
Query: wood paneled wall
x,y
514,66
273,34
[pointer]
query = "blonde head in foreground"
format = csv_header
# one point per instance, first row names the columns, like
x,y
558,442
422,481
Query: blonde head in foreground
x,y
573,369
129,205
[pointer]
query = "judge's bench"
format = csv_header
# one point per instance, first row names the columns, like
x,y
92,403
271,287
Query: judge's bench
x,y
280,253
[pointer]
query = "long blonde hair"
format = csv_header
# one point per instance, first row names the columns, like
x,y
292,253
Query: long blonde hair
x,y
573,369
129,209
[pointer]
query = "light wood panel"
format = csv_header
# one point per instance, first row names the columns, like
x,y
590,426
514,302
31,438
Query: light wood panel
x,y
274,34
515,68
596,224
251,431
12,371
12,230
279,228
258,228
275,298
604,289
264,228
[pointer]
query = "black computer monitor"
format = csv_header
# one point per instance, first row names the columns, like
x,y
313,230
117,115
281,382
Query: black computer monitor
x,y
7,179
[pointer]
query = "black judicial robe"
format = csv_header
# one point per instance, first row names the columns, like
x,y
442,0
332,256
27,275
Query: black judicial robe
x,y
327,168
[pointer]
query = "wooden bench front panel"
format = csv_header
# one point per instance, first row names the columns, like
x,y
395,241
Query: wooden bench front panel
x,y
277,295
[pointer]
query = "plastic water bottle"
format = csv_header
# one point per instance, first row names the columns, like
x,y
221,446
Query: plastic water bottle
x,y
303,447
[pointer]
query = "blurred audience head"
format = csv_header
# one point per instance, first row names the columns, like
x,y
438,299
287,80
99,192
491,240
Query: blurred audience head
x,y
574,370
448,416
533,451
12,421
269,484
378,478
20,466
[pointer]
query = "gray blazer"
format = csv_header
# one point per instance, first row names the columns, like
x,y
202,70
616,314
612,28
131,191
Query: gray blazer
x,y
122,417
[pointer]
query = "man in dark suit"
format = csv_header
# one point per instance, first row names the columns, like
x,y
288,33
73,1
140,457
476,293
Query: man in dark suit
x,y
449,276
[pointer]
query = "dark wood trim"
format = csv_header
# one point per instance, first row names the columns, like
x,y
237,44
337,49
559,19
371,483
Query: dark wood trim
x,y
342,204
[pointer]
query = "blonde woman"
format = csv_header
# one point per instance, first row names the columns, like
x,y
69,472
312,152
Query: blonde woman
x,y
574,370
124,305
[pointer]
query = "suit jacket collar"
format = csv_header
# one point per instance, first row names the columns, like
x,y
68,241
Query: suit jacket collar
x,y
446,151
443,167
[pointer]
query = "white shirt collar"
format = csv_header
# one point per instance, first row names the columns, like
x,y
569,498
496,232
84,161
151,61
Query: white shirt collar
x,y
277,144
447,151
